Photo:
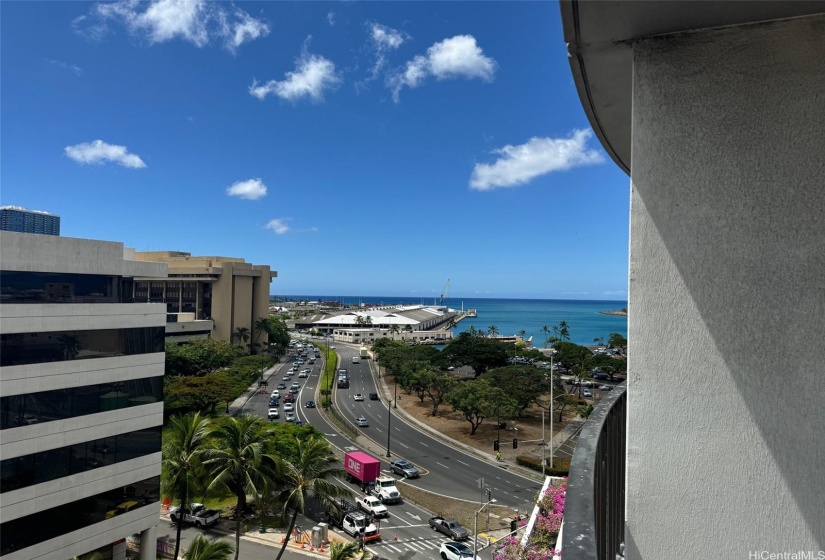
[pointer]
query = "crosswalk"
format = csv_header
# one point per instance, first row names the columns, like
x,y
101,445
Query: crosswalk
x,y
429,547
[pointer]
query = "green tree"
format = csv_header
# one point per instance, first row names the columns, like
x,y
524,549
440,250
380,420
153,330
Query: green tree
x,y
197,393
477,400
434,384
278,335
183,444
546,330
492,331
198,357
349,550
523,384
615,340
476,351
562,401
203,548
259,327
241,335
394,330
311,474
238,463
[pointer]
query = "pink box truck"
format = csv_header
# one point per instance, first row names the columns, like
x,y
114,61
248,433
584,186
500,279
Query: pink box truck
x,y
361,468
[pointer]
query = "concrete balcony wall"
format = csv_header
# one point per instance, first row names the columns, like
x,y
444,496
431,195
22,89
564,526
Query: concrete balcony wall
x,y
726,454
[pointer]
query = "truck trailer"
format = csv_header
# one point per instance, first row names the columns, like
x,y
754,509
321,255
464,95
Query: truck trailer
x,y
361,468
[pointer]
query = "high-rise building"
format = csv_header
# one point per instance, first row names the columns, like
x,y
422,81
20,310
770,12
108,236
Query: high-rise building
x,y
229,292
81,399
22,220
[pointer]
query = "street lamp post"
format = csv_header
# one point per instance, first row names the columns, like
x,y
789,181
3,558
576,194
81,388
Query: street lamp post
x,y
389,416
475,523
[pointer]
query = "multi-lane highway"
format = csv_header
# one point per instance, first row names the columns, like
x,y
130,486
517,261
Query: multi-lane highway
x,y
446,469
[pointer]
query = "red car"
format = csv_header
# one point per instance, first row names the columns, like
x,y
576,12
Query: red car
x,y
289,398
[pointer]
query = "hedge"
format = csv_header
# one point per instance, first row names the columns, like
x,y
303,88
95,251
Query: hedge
x,y
561,467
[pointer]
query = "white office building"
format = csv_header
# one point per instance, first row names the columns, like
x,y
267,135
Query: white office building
x,y
81,399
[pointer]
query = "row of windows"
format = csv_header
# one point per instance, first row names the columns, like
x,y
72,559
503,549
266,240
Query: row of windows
x,y
39,527
53,287
59,404
57,346
73,459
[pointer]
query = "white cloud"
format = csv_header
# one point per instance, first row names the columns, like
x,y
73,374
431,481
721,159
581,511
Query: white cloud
x,y
456,57
77,70
313,75
278,225
195,21
100,152
384,39
251,189
520,164
331,18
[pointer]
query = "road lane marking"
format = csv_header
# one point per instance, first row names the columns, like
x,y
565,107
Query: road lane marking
x,y
439,464
463,463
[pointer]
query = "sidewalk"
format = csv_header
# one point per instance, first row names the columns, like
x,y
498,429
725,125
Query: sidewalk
x,y
271,537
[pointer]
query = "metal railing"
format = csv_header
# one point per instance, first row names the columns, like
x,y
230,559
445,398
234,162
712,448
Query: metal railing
x,y
595,501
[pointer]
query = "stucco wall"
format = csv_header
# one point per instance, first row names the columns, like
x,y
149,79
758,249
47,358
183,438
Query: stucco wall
x,y
726,434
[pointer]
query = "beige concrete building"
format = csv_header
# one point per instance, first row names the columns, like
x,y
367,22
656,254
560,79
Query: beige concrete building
x,y
217,294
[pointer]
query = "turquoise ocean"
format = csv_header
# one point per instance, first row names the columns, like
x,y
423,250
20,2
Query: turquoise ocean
x,y
511,316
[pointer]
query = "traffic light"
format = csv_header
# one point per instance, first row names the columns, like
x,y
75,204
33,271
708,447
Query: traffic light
x,y
515,443
495,445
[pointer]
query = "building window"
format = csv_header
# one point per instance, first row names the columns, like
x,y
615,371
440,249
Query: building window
x,y
60,404
57,346
64,461
42,526
49,287
156,292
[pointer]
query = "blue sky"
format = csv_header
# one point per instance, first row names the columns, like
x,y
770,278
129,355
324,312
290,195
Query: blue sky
x,y
359,148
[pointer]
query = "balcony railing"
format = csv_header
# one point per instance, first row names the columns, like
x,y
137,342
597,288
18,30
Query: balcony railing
x,y
595,501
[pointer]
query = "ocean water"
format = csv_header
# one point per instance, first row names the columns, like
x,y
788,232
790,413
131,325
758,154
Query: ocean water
x,y
511,316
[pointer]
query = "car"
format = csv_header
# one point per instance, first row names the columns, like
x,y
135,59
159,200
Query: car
x,y
294,390
288,407
282,386
404,468
361,422
290,417
287,378
373,396
450,368
587,393
358,397
311,361
298,422
309,404
276,394
273,414
452,550
289,398
274,403
605,387
296,385
304,373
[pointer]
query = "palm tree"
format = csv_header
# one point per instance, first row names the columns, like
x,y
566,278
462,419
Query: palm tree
x,y
183,444
310,475
259,327
564,330
238,462
545,329
452,324
347,551
492,331
208,549
394,330
241,335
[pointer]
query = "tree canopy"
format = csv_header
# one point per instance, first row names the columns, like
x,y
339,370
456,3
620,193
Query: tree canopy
x,y
198,357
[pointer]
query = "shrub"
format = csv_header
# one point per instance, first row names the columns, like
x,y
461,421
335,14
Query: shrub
x,y
561,467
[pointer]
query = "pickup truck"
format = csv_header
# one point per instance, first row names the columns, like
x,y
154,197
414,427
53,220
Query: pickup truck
x,y
449,527
373,505
197,514
346,516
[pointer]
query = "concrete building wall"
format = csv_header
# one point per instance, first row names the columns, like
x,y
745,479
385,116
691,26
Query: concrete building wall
x,y
725,451
38,253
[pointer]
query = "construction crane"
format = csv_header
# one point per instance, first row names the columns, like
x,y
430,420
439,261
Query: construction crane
x,y
444,291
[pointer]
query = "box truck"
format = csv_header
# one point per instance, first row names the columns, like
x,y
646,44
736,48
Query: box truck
x,y
361,468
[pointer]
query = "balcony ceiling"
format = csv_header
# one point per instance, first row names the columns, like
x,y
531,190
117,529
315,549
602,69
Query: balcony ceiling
x,y
598,35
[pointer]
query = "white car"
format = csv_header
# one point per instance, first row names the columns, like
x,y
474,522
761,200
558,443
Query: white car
x,y
587,393
358,397
290,417
453,550
289,407
273,414
361,422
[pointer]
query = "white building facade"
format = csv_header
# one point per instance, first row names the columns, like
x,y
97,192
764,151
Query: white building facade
x,y
81,399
